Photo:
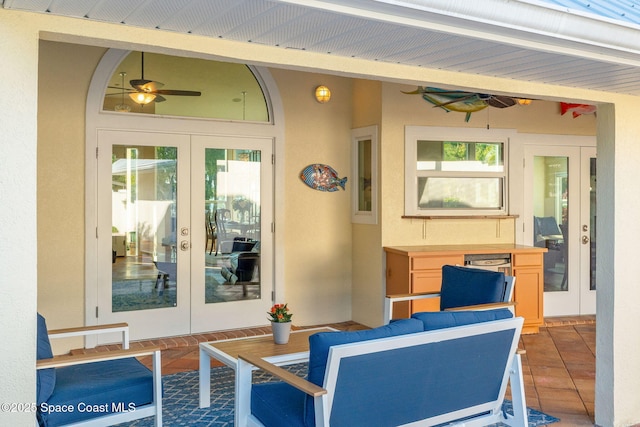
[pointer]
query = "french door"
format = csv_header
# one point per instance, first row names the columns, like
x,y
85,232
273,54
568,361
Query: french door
x,y
164,267
560,213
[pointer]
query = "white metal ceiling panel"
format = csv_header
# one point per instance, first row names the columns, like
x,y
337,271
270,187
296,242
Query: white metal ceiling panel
x,y
155,14
75,8
401,32
198,13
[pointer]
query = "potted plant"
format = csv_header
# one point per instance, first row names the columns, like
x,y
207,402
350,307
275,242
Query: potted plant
x,y
280,318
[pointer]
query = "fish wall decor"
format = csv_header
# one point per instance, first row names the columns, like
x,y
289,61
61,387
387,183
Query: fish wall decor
x,y
462,102
577,109
322,177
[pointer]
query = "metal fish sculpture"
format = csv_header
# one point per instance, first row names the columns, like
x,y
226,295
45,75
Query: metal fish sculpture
x,y
462,102
322,177
577,109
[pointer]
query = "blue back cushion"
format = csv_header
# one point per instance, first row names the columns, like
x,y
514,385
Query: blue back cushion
x,y
320,343
462,286
45,378
448,319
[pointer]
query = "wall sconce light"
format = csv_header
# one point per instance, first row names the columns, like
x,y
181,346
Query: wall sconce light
x,y
323,94
524,101
142,98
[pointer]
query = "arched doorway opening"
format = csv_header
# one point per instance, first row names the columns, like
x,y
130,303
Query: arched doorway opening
x,y
172,183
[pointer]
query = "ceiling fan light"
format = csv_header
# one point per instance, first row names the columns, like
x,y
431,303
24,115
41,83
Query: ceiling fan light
x,y
142,98
524,101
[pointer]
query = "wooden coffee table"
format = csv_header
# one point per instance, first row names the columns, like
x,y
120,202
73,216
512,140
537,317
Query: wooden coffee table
x,y
226,351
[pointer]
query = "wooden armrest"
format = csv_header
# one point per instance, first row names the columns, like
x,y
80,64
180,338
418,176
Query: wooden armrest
x,y
76,331
286,376
490,306
78,359
93,330
412,296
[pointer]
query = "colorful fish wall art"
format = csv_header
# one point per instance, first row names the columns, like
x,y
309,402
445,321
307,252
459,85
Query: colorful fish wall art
x,y
577,109
322,177
462,102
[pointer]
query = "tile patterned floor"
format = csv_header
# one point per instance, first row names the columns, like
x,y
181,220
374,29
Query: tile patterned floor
x,y
559,364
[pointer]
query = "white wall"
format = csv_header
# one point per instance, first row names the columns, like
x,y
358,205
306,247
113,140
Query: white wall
x,y
18,240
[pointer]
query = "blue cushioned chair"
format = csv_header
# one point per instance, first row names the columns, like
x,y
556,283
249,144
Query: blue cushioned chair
x,y
395,375
463,288
97,389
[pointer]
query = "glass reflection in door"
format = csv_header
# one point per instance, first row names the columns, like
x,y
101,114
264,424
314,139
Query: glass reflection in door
x,y
143,228
550,220
232,223
592,225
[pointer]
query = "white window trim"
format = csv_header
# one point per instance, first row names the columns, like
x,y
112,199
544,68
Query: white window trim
x,y
417,133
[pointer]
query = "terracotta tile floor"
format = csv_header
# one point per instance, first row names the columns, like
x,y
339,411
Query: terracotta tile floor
x,y
559,364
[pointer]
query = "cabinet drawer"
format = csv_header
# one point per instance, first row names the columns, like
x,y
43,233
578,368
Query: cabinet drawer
x,y
426,281
435,262
520,260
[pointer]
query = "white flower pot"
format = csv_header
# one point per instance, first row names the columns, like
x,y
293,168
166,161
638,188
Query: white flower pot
x,y
281,331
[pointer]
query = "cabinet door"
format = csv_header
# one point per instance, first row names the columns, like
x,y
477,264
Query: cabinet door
x,y
426,281
528,295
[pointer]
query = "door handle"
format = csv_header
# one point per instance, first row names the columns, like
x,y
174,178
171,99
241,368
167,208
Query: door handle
x,y
585,240
184,245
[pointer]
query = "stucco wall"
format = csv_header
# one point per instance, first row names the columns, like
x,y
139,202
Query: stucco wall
x,y
65,71
317,225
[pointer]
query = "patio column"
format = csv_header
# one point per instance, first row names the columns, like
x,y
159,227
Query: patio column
x,y
18,244
618,269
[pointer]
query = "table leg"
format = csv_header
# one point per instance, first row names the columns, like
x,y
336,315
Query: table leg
x,y
205,379
243,393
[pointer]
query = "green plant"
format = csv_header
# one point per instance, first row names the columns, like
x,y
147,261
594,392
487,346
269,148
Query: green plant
x,y
280,313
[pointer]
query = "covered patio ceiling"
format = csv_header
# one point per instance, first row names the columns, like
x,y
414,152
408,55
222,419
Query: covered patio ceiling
x,y
591,45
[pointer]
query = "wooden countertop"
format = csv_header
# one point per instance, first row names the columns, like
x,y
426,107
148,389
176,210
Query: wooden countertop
x,y
464,249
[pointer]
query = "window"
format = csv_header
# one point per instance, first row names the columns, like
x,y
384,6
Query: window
x,y
188,87
455,172
364,156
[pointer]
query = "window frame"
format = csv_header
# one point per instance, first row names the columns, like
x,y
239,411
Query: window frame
x,y
413,134
358,216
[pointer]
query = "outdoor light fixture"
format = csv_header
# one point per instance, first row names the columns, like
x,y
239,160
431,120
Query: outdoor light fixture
x,y
323,94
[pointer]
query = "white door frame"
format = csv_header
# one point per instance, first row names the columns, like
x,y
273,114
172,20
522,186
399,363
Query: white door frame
x,y
573,301
97,119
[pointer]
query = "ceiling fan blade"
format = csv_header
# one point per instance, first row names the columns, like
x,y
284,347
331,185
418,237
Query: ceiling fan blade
x,y
143,85
499,101
177,92
159,99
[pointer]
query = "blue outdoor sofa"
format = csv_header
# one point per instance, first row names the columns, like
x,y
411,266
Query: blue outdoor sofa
x,y
434,368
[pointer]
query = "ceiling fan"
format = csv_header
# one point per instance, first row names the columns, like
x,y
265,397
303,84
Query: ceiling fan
x,y
144,91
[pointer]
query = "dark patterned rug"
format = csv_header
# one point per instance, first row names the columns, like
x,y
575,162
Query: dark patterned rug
x,y
181,398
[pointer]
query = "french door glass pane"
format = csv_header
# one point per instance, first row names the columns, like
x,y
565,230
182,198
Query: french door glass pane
x,y
143,227
232,223
592,225
550,210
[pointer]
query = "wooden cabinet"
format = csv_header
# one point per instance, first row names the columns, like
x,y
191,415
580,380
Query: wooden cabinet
x,y
412,269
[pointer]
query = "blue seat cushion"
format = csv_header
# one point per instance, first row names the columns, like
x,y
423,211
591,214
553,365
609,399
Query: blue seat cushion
x,y
320,343
463,286
94,389
45,378
278,404
433,320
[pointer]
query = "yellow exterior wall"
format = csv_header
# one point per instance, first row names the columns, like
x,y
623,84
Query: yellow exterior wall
x,y
317,225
